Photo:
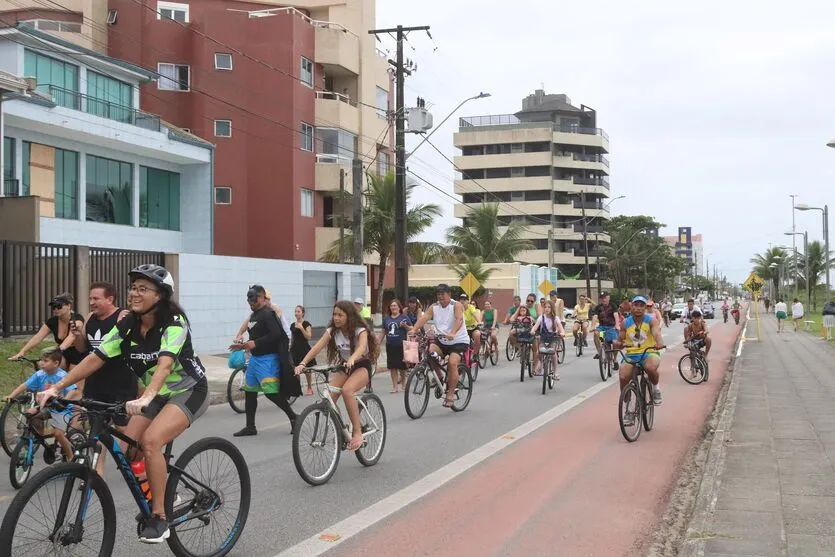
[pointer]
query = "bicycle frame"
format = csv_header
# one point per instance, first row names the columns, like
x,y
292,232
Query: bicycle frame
x,y
326,396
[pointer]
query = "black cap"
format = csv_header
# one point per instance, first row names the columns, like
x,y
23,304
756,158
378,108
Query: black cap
x,y
59,301
255,290
603,294
443,287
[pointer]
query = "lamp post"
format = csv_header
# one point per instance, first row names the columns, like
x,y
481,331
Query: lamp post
x,y
825,212
806,254
585,239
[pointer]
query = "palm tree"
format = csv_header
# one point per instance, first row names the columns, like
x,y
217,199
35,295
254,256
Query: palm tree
x,y
379,224
474,265
768,264
480,236
817,268
424,253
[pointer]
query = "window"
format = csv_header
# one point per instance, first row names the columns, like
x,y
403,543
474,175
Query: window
x,y
517,196
53,77
223,128
159,199
223,61
172,10
55,26
66,183
307,137
517,172
25,178
9,183
382,163
337,142
307,72
109,190
382,102
307,203
223,195
174,77
112,13
109,98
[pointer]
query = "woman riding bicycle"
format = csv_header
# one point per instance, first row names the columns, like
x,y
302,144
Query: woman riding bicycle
x,y
581,317
154,340
350,343
490,319
547,326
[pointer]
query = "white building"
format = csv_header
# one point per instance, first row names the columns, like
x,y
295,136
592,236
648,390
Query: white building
x,y
82,165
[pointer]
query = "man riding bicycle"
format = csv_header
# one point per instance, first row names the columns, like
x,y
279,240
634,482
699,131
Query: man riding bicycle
x,y
472,319
641,331
452,339
687,312
697,330
603,319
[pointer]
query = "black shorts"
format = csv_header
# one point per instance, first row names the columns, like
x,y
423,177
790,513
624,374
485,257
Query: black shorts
x,y
394,356
192,402
363,363
447,349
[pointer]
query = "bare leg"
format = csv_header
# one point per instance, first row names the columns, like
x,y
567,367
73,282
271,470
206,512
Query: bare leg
x,y
169,423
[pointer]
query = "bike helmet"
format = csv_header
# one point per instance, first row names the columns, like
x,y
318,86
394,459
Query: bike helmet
x,y
157,274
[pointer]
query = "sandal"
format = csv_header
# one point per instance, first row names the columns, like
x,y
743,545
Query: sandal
x,y
354,444
449,401
394,391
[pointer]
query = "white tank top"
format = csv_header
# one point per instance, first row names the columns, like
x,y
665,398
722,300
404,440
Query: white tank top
x,y
343,344
444,318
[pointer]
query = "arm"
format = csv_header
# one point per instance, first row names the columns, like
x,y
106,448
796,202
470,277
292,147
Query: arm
x,y
360,350
459,321
307,332
560,328
427,315
18,390
280,314
240,335
81,335
326,336
535,327
88,366
32,342
655,326
70,340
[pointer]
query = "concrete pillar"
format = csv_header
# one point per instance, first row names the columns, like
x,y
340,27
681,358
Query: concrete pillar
x,y
172,263
82,279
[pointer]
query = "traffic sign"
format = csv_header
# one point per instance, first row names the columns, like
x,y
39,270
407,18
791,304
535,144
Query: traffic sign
x,y
545,287
753,284
469,284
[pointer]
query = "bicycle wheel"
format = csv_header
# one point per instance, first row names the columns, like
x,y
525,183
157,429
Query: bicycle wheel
x,y
318,431
475,366
464,392
235,390
211,486
13,425
546,372
648,414
41,518
578,346
494,355
531,357
416,397
510,350
561,348
706,368
21,461
483,354
691,370
372,418
552,377
522,358
603,363
629,412
474,371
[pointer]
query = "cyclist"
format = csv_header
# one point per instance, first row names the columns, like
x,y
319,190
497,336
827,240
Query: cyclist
x,y
452,337
547,325
511,312
533,308
697,330
351,343
489,318
725,309
155,341
581,317
61,325
666,311
652,307
687,312
641,331
604,318
559,305
472,319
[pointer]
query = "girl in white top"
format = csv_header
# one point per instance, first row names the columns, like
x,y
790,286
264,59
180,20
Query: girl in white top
x,y
549,324
797,313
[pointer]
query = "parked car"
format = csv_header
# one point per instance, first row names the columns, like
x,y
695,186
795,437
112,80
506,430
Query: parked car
x,y
678,309
568,313
707,310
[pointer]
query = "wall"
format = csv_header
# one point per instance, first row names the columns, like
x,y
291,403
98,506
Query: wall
x,y
19,219
212,290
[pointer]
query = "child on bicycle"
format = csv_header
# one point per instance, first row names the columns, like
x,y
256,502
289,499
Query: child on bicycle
x,y
351,343
697,330
548,325
50,372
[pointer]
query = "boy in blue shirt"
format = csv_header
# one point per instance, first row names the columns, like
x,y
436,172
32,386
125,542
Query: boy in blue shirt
x,y
50,372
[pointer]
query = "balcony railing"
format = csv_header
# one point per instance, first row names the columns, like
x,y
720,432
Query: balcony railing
x,y
583,181
11,187
334,96
99,107
332,159
590,158
293,11
578,204
511,119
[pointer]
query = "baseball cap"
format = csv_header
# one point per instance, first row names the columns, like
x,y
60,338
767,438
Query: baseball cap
x,y
464,296
639,299
359,301
59,301
603,294
255,290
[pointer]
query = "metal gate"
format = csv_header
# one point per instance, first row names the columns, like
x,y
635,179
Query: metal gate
x,y
319,292
113,266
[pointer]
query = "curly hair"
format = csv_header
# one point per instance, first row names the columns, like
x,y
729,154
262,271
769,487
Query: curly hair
x,y
354,322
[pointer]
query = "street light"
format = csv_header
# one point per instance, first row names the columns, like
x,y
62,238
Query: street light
x,y
825,212
454,110
806,252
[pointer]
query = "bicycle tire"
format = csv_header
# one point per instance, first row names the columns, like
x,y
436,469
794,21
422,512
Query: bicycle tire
x,y
483,355
69,469
465,383
474,371
578,346
494,355
603,364
522,358
510,350
630,391
19,472
561,348
696,363
531,357
546,372
647,406
418,381
172,490
374,457
9,438
233,388
333,428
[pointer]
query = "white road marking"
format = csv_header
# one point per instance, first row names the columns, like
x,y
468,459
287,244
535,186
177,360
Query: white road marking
x,y
322,541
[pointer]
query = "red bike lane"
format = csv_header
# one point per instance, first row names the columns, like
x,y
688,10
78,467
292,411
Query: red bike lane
x,y
574,487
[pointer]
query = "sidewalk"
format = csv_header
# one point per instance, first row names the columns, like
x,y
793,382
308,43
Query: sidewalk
x,y
769,484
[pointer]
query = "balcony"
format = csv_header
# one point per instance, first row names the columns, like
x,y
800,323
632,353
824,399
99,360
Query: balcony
x,y
583,181
581,161
102,108
527,183
334,110
327,173
505,160
324,236
337,48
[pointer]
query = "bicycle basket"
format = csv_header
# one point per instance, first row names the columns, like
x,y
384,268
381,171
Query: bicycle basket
x,y
237,359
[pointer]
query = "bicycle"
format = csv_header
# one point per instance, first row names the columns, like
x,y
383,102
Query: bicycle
x,y
486,351
639,391
235,389
525,340
193,508
510,349
430,375
548,345
579,342
693,366
12,420
331,432
606,361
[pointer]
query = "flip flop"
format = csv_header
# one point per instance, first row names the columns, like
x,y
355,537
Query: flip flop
x,y
354,444
449,401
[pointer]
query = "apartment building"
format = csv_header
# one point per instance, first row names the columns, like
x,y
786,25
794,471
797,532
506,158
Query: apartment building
x,y
549,148
689,247
288,94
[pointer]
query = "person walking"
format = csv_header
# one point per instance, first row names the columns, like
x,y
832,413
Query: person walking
x,y
301,331
395,325
781,312
828,318
797,313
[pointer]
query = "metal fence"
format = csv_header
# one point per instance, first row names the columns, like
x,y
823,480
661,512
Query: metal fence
x,y
31,274
113,266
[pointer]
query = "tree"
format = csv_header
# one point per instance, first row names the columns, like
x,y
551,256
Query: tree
x,y
769,264
424,253
379,225
817,268
480,236
474,265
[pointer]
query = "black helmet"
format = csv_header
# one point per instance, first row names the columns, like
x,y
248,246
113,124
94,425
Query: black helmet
x,y
156,274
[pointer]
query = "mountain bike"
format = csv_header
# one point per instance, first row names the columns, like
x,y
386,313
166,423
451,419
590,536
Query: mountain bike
x,y
12,420
429,376
635,406
68,508
548,345
525,339
235,389
487,352
320,427
693,366
607,360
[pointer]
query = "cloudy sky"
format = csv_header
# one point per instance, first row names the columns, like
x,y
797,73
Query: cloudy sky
x,y
715,115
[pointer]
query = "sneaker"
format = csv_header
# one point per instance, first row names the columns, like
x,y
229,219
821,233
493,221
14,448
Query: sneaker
x,y
615,366
656,396
155,530
246,432
628,420
596,357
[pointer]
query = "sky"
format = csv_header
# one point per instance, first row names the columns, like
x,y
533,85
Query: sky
x,y
715,115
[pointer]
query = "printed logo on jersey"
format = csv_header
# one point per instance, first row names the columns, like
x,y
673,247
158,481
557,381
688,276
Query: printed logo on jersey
x,y
145,356
251,324
95,339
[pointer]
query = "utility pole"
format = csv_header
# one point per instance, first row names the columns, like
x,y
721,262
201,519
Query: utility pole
x,y
551,233
401,268
356,181
597,249
585,241
794,245
342,215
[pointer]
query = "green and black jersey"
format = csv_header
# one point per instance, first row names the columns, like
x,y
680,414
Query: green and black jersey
x,y
142,354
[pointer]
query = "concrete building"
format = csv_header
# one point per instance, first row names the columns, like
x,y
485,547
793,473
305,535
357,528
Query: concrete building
x,y
549,148
82,165
689,247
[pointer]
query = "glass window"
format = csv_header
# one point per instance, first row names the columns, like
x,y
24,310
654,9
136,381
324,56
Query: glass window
x,y
223,195
53,77
173,77
109,190
337,142
9,183
307,137
307,203
223,61
223,128
109,98
27,153
159,199
66,184
382,102
382,163
307,72
173,10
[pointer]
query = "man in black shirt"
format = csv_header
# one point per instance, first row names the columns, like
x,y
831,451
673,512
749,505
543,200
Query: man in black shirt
x,y
269,369
603,319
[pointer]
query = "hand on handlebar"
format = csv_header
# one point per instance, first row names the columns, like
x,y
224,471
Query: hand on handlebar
x,y
135,407
45,396
299,369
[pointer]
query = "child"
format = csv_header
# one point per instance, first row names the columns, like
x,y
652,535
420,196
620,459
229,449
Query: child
x,y
50,373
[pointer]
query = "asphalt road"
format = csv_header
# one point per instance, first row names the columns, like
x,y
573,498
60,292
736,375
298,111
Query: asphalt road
x,y
286,511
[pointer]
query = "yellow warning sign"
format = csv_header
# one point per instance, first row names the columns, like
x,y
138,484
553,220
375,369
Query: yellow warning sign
x,y
469,284
545,287
753,284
